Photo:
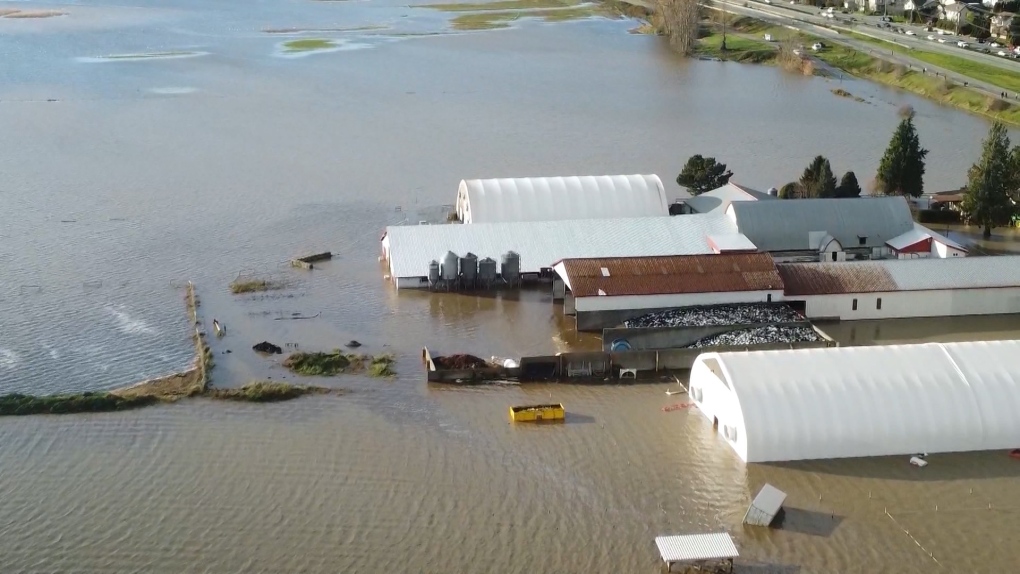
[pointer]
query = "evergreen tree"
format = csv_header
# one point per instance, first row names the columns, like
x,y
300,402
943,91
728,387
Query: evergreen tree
x,y
702,174
901,171
789,191
848,186
818,179
991,182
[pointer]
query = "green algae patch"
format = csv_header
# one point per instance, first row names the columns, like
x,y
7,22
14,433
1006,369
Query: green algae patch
x,y
308,45
267,392
327,364
16,404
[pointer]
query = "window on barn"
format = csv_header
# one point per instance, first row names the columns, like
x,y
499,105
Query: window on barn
x,y
855,305
878,304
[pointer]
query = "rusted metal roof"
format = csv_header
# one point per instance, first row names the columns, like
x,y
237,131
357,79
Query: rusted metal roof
x,y
670,274
833,278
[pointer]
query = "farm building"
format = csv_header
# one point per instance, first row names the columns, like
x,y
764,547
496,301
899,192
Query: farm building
x,y
822,229
605,292
902,288
560,198
720,198
922,243
842,402
411,250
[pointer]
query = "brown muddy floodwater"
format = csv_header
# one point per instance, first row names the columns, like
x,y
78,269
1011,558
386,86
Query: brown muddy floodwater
x,y
146,146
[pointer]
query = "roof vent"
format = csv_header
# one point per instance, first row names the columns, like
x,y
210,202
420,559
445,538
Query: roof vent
x,y
605,272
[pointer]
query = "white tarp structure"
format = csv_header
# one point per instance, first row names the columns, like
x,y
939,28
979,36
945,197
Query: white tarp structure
x,y
560,198
862,401
765,506
696,548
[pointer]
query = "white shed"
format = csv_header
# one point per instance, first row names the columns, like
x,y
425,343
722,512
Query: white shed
x,y
560,198
862,401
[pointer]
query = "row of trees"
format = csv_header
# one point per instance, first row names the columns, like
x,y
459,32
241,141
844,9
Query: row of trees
x,y
900,172
993,183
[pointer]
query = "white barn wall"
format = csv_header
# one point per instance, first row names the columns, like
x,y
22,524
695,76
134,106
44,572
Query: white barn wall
x,y
629,302
944,251
717,401
906,304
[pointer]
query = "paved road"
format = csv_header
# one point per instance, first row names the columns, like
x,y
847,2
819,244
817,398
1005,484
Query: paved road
x,y
806,25
867,25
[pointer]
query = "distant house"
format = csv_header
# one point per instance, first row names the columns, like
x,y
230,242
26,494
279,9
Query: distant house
x,y
923,243
720,198
953,12
1001,23
883,6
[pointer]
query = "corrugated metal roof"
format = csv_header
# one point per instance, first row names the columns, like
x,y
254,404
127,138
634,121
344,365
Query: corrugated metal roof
x,y
832,278
765,506
730,242
674,274
720,198
682,548
912,237
786,225
560,198
885,275
541,244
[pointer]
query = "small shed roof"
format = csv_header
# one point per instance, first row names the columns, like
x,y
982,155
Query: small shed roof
x,y
689,547
765,506
540,244
725,272
788,225
918,234
560,198
721,197
887,275
730,242
871,401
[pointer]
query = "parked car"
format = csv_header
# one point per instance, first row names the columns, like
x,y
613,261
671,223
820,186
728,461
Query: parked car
x,y
942,40
911,33
996,45
1002,53
962,44
930,37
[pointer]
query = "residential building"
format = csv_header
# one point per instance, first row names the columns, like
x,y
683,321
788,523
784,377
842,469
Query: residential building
x,y
1001,24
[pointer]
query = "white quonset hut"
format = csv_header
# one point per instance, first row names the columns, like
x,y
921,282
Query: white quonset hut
x,y
409,249
841,402
904,288
560,198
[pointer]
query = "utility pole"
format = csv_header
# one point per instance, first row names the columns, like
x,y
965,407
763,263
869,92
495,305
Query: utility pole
x,y
724,18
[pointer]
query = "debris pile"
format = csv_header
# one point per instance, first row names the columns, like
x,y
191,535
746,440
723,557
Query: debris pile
x,y
458,362
759,336
267,347
717,315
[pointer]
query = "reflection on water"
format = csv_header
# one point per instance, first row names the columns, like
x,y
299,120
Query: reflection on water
x,y
114,197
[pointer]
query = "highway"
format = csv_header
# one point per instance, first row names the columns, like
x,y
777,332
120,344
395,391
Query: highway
x,y
868,25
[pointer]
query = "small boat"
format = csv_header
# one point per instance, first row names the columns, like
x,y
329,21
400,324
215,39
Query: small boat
x,y
219,329
535,413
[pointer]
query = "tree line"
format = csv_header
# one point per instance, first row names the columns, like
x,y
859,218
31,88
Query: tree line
x,y
992,197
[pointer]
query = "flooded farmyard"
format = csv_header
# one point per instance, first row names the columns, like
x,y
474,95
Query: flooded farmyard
x,y
149,146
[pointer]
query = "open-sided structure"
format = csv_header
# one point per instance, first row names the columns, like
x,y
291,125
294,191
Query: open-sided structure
x,y
862,401
560,198
696,549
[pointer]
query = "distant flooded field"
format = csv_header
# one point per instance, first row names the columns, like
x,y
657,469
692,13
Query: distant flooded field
x,y
147,146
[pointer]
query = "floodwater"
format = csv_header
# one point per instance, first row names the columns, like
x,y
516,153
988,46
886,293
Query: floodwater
x,y
145,147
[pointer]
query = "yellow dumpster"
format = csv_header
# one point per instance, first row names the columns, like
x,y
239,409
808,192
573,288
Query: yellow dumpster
x,y
532,413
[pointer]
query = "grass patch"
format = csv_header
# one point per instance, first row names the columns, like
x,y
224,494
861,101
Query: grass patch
x,y
16,404
266,392
494,20
307,45
239,286
324,364
738,49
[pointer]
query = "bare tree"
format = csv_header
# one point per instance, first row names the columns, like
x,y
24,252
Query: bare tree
x,y
680,21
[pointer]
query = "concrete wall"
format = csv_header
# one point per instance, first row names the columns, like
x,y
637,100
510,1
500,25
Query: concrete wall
x,y
652,338
906,304
597,313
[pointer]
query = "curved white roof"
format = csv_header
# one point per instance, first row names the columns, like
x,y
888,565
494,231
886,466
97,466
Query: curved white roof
x,y
868,401
560,198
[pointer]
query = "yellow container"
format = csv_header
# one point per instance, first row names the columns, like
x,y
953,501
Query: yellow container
x,y
534,413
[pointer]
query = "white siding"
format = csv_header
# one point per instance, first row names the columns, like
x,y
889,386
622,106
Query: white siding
x,y
863,401
942,250
906,304
629,302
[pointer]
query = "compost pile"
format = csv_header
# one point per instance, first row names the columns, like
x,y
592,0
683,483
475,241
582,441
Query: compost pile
x,y
459,362
717,315
759,336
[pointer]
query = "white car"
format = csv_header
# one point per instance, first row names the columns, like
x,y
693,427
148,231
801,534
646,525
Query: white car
x,y
911,33
930,37
1002,53
942,40
996,45
961,44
